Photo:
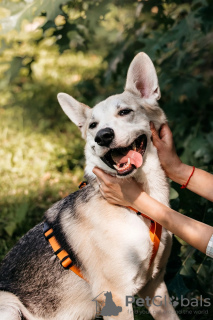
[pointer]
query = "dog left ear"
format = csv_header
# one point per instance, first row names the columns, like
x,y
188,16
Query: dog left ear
x,y
76,111
142,78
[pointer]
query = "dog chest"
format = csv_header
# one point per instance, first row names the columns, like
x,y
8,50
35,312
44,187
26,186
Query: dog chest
x,y
112,240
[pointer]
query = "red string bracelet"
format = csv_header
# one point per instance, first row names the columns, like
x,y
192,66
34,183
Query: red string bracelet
x,y
185,185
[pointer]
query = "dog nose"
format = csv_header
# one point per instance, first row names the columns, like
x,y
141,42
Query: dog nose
x,y
104,137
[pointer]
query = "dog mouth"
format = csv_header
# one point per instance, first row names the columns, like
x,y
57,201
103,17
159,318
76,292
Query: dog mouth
x,y
125,160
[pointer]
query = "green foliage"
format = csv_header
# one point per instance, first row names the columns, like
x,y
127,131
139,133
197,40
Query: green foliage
x,y
84,48
15,12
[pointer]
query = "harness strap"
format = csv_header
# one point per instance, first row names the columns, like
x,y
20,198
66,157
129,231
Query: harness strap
x,y
65,260
155,235
155,231
67,263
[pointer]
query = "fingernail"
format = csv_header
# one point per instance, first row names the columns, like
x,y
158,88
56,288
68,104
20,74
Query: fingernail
x,y
151,125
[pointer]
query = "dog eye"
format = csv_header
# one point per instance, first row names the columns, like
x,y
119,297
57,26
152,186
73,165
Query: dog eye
x,y
93,125
124,112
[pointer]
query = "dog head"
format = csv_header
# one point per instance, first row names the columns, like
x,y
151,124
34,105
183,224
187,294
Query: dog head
x,y
117,130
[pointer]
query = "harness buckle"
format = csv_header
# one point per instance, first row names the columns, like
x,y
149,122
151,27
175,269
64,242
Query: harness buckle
x,y
66,262
83,184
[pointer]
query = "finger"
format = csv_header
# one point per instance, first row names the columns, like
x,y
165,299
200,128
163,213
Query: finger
x,y
165,130
166,133
155,136
99,174
102,193
103,176
99,181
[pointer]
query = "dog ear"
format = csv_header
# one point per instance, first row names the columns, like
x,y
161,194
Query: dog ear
x,y
76,111
142,78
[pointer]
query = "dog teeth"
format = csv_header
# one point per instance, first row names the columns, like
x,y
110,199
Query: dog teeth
x,y
124,167
134,146
116,167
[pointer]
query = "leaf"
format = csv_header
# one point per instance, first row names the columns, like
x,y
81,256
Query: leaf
x,y
186,269
177,286
14,69
202,271
209,137
197,142
173,194
29,10
17,218
182,242
93,14
21,212
10,228
205,13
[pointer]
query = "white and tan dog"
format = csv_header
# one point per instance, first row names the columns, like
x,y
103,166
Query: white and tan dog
x,y
109,244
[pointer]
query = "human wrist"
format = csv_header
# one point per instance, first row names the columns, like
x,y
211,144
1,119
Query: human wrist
x,y
138,203
180,173
133,192
153,209
146,204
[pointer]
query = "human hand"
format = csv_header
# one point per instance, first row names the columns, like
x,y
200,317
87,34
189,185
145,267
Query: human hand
x,y
164,143
118,191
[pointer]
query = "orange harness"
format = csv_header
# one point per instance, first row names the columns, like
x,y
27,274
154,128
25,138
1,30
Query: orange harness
x,y
65,260
155,231
62,254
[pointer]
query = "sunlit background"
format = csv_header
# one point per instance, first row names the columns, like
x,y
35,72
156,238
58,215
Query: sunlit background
x,y
84,48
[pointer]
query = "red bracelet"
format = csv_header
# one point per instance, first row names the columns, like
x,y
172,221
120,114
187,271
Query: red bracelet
x,y
185,185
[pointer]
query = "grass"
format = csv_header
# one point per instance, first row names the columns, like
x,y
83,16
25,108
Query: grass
x,y
35,172
41,154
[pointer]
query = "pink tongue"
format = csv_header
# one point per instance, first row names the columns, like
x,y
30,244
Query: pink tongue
x,y
135,158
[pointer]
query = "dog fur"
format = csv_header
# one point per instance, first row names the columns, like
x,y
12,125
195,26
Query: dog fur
x,y
110,244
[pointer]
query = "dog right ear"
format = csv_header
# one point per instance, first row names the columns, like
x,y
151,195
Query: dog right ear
x,y
142,78
76,111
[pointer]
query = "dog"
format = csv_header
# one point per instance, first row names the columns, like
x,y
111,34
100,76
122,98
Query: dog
x,y
109,244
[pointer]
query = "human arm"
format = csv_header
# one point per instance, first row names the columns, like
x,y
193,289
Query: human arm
x,y
130,193
201,181
194,232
